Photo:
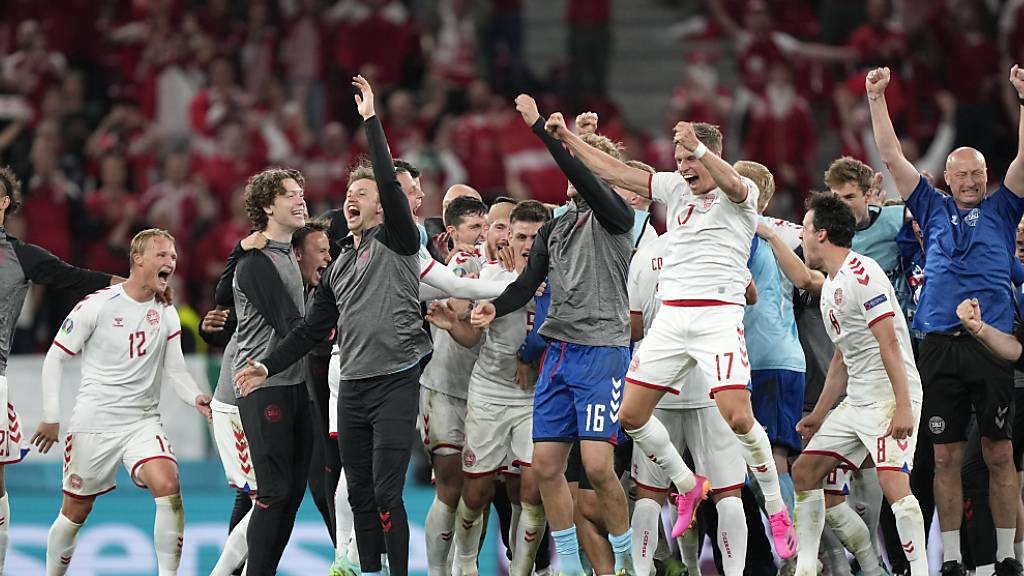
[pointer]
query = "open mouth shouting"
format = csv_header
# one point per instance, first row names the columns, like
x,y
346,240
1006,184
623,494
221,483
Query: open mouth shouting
x,y
163,276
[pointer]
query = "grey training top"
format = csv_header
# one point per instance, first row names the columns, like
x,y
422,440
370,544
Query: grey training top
x,y
21,264
225,391
265,317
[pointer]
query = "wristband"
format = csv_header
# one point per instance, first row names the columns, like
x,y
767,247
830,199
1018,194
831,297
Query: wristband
x,y
700,151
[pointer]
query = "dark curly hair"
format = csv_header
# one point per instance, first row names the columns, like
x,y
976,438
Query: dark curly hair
x,y
10,186
833,215
262,188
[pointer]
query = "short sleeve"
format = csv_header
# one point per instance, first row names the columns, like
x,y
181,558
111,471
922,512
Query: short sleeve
x,y
634,289
750,203
923,201
665,186
426,262
1011,207
873,293
78,326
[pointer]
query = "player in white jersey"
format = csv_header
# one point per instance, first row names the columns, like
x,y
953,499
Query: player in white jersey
x,y
712,215
444,383
874,364
130,347
499,420
693,422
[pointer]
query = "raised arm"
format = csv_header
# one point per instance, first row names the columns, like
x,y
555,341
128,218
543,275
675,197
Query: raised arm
x,y
792,266
609,208
42,267
725,176
400,232
1015,173
904,175
612,171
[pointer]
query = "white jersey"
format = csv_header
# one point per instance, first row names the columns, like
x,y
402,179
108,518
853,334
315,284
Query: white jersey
x,y
644,298
786,230
449,369
494,376
710,237
857,297
122,342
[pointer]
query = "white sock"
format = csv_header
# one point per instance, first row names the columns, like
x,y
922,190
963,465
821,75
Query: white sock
x,y
646,517
732,535
60,545
236,549
468,527
343,518
689,547
438,532
833,554
1004,543
853,533
513,527
653,439
168,533
662,552
950,545
810,515
529,533
910,526
757,453
5,522
1018,550
353,551
866,499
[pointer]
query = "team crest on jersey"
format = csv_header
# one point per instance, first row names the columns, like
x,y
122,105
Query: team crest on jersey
x,y
119,322
634,364
153,317
972,217
68,326
468,458
272,413
838,296
709,200
75,481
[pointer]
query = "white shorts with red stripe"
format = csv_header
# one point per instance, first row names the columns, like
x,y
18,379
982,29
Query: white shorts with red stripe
x,y
13,440
442,422
688,334
496,435
852,433
233,447
717,454
91,458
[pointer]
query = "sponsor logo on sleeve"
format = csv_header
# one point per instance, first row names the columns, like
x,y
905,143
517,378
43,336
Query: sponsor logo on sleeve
x,y
881,298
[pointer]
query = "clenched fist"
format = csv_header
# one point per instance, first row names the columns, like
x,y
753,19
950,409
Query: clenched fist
x,y
876,82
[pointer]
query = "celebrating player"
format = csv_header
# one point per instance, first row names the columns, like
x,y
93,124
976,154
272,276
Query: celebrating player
x,y
874,364
701,322
127,339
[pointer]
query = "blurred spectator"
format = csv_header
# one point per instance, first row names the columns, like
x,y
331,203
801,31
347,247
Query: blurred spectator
x,y
501,42
701,98
303,49
880,40
230,162
260,45
113,212
50,198
782,135
326,170
590,49
177,201
451,42
31,69
359,27
476,140
222,99
213,247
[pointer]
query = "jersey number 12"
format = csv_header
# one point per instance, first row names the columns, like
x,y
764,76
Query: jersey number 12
x,y
136,341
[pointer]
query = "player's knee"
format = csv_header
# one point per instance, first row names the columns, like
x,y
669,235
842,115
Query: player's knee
x,y
387,498
164,486
631,419
740,421
803,477
948,459
77,509
997,453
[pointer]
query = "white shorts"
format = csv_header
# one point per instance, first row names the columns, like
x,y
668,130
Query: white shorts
x,y
333,383
442,422
497,436
685,337
13,441
91,458
851,433
233,447
717,454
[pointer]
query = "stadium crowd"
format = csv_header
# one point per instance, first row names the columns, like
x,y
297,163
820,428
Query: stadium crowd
x,y
169,121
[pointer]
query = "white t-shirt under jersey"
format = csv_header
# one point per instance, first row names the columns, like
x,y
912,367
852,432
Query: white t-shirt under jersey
x,y
709,240
122,343
449,368
857,297
643,285
494,376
